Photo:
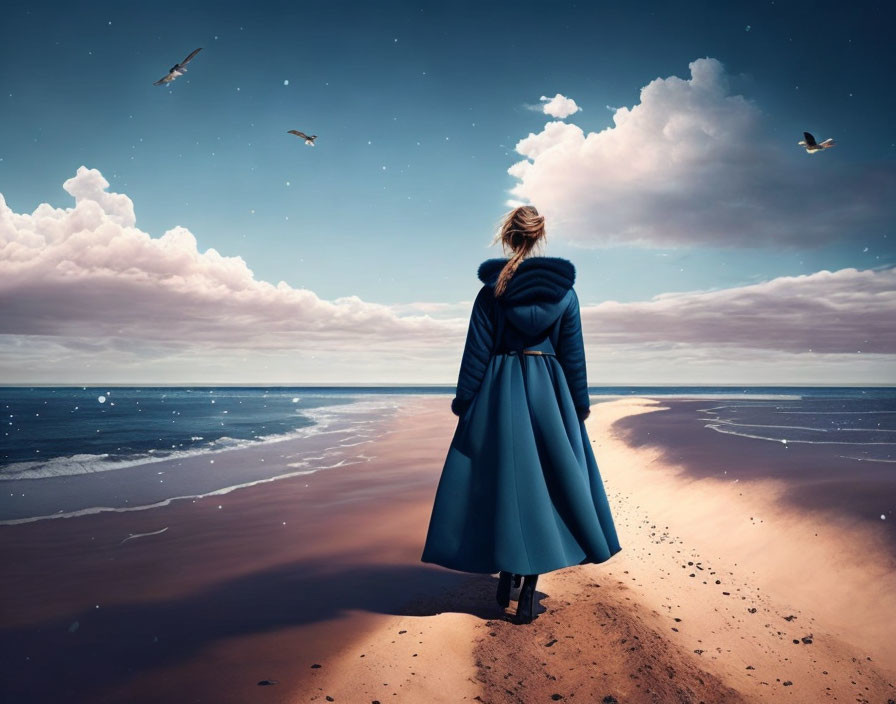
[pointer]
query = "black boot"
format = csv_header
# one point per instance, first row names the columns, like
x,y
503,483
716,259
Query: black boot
x,y
517,580
503,595
525,609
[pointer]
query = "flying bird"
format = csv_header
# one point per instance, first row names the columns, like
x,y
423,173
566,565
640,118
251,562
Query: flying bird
x,y
812,146
177,70
308,140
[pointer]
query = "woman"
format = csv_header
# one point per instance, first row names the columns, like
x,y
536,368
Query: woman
x,y
520,492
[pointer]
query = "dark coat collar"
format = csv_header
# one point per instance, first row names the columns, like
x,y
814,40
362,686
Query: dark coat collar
x,y
536,279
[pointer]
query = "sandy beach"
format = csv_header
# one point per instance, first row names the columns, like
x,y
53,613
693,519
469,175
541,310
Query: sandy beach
x,y
723,592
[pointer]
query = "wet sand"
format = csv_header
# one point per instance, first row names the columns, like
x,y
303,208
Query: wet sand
x,y
712,587
819,477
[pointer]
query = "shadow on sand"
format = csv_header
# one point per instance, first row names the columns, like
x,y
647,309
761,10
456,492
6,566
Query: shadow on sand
x,y
55,661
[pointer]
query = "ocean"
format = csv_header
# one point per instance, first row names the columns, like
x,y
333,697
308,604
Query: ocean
x,y
74,450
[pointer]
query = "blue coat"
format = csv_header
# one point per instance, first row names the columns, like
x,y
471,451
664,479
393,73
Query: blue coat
x,y
520,490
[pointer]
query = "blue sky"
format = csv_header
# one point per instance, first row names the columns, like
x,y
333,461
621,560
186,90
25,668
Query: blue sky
x,y
420,109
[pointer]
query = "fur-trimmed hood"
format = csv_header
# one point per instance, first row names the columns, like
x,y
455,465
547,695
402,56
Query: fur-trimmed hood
x,y
544,279
537,293
536,279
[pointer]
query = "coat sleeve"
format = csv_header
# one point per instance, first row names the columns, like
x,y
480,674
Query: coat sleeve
x,y
571,355
477,351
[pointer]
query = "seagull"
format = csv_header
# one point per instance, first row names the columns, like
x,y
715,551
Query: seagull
x,y
177,70
308,140
811,145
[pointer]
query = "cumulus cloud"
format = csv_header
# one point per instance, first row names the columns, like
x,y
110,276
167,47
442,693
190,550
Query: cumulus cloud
x,y
89,272
691,164
559,106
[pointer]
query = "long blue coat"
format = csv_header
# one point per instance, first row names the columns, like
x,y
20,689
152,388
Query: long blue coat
x,y
520,490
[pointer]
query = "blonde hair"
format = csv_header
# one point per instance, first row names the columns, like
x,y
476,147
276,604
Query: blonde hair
x,y
521,230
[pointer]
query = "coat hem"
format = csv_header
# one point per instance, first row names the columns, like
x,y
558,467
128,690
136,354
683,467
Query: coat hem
x,y
517,570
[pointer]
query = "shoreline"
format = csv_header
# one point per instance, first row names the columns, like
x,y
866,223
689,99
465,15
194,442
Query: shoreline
x,y
750,528
148,482
257,584
803,476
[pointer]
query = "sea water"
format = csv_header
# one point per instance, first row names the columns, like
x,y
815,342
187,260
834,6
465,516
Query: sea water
x,y
68,451
76,450
857,423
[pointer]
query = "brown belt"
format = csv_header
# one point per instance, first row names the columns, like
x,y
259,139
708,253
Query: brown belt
x,y
538,352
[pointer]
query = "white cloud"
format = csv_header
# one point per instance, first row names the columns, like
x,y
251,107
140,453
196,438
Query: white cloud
x,y
89,272
691,164
559,106
848,311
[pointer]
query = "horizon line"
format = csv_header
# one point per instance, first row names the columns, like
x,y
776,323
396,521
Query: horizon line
x,y
374,385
